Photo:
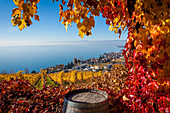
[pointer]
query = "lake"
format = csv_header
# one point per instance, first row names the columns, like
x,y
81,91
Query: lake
x,y
35,57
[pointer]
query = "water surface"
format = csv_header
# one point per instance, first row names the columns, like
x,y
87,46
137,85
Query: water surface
x,y
15,58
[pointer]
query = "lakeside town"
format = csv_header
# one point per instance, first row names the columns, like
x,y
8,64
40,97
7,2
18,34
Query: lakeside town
x,y
104,63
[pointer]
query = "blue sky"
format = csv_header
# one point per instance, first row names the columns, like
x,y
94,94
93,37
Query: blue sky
x,y
49,28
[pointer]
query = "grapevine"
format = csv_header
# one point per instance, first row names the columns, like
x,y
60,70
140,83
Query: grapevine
x,y
19,96
147,50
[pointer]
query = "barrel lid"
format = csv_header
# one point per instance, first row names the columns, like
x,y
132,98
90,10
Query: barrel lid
x,y
86,98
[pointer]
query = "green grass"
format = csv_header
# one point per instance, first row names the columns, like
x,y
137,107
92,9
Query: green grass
x,y
49,82
39,84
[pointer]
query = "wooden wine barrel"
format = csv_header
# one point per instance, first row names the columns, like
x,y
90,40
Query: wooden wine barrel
x,y
86,101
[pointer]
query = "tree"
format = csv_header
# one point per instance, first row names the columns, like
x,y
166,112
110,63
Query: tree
x,y
147,50
71,64
33,71
100,58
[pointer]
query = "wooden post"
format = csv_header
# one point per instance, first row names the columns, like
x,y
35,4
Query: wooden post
x,y
37,81
53,80
44,79
43,75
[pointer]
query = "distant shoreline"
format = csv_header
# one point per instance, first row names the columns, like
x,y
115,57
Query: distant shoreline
x,y
18,58
54,43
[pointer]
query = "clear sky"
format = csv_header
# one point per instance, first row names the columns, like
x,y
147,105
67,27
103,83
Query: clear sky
x,y
49,28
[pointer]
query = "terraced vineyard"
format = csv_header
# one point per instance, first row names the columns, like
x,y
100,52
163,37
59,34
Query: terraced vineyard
x,y
16,94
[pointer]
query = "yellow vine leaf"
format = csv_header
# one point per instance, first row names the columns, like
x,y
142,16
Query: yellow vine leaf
x,y
65,25
18,2
135,43
162,22
17,12
168,21
33,10
13,23
16,17
116,31
81,34
111,27
22,25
